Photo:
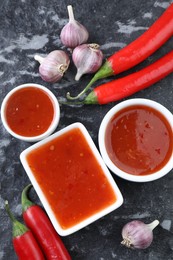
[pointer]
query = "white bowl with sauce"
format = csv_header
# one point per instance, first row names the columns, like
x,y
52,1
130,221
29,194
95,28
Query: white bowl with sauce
x,y
71,179
136,140
30,112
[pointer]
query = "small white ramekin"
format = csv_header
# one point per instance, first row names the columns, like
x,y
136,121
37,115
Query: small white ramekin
x,y
101,139
52,126
92,218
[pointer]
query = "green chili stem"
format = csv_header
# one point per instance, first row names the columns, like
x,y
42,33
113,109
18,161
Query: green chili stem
x,y
18,228
9,212
91,99
26,203
103,72
94,79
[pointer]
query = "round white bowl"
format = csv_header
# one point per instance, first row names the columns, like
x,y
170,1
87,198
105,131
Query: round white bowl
x,y
52,126
101,138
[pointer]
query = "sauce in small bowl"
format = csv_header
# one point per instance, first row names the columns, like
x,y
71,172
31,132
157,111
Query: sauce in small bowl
x,y
30,112
71,179
136,140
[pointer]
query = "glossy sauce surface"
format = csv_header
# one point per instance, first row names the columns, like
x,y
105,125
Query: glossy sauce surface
x,y
71,178
139,140
29,111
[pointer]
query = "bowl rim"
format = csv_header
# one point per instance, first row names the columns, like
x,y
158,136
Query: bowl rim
x,y
52,126
101,139
92,218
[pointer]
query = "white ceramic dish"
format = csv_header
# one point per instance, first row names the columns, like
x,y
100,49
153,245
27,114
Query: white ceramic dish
x,y
51,128
138,101
59,229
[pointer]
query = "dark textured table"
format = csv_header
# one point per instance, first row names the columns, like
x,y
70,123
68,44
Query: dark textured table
x,y
28,27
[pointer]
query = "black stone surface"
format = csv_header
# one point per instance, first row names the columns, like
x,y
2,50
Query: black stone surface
x,y
28,27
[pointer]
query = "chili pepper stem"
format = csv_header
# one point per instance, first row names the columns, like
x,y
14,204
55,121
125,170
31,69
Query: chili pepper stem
x,y
18,228
94,79
103,72
26,203
153,224
9,212
91,99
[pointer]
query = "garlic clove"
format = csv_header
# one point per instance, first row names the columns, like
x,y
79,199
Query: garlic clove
x,y
87,59
137,234
73,33
53,66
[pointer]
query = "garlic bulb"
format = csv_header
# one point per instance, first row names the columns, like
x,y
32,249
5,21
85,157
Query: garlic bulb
x,y
73,33
53,66
137,234
87,58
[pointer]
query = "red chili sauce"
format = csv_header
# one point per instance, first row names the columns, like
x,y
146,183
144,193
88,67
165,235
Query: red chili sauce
x,y
29,111
139,140
71,178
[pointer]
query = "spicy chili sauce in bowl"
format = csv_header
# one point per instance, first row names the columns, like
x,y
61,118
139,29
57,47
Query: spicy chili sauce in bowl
x,y
136,140
30,112
71,179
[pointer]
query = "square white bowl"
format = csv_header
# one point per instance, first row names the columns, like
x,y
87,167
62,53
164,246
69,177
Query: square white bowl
x,y
45,202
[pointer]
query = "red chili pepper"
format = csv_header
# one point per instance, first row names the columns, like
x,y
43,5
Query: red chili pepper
x,y
24,242
39,223
137,51
123,87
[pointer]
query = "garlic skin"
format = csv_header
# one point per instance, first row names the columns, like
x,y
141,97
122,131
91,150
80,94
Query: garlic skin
x,y
87,59
138,235
73,33
53,66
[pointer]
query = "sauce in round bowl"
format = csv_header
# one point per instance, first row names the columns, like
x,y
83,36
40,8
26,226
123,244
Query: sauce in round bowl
x,y
139,140
30,112
136,140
